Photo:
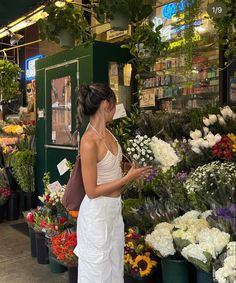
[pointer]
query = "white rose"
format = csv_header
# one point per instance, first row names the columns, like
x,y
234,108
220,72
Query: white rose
x,y
227,112
217,138
206,122
205,130
195,134
196,150
221,120
212,118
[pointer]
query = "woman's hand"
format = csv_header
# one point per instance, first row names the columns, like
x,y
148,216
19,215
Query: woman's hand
x,y
138,172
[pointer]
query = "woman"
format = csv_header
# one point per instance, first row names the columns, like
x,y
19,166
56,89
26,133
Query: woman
x,y
100,227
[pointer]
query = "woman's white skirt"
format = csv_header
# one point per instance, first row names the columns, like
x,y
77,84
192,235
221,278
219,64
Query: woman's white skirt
x,y
100,236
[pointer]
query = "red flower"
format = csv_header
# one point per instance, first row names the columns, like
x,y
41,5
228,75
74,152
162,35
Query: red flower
x,y
63,246
30,217
223,148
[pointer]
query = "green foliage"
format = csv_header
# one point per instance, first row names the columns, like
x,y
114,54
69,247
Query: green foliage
x,y
69,18
145,46
134,10
170,126
9,84
187,18
23,165
125,128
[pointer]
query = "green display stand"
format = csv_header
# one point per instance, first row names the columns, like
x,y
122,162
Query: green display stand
x,y
176,271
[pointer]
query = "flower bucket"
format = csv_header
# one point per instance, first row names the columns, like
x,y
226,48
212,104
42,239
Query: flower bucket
x,y
176,271
204,277
41,248
73,274
13,207
32,242
55,266
1,213
119,22
66,39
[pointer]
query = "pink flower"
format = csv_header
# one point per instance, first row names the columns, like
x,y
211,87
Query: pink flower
x,y
30,217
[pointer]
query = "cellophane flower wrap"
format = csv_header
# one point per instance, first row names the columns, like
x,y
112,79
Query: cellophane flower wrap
x,y
62,247
139,259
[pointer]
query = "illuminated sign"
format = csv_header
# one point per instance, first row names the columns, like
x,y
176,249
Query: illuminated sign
x,y
30,67
180,42
171,9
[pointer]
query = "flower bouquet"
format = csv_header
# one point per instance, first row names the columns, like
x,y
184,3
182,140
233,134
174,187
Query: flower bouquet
x,y
168,239
52,197
212,183
62,247
139,259
208,246
4,195
225,267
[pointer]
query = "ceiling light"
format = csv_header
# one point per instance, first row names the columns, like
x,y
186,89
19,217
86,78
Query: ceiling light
x,y
15,38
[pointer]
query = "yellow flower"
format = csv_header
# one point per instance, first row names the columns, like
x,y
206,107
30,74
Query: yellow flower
x,y
232,137
130,245
126,258
144,263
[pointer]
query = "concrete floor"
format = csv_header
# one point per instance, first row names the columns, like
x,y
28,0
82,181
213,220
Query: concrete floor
x,y
16,263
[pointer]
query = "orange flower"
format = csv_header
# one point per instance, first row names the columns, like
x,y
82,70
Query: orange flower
x,y
74,213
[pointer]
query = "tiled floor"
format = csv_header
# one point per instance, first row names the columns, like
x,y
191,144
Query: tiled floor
x,y
16,263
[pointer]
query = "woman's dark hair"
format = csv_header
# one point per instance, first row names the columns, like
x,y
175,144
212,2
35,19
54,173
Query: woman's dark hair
x,y
90,97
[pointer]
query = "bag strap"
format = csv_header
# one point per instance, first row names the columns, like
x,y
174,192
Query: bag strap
x,y
78,142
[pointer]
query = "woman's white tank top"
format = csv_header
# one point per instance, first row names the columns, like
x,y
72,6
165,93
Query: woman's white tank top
x,y
109,168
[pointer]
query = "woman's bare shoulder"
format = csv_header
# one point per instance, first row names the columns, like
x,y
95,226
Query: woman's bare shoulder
x,y
88,141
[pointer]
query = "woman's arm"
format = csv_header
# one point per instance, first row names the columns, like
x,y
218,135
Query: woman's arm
x,y
88,153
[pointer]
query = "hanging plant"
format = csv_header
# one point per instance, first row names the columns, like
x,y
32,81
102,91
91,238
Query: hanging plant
x,y
146,47
133,10
9,84
187,35
66,20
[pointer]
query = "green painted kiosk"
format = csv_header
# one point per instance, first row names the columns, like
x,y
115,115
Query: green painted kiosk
x,y
57,77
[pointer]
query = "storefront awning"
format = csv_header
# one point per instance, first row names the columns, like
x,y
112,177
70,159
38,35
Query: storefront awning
x,y
10,10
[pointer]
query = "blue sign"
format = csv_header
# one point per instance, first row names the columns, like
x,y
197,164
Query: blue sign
x,y
30,67
171,9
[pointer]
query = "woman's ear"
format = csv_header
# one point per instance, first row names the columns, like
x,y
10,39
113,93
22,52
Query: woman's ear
x,y
106,106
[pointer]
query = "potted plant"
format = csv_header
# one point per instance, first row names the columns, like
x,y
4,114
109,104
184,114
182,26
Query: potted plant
x,y
120,13
66,24
23,166
4,195
9,84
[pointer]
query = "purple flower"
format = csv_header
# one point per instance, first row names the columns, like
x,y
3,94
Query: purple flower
x,y
181,176
151,176
232,209
223,212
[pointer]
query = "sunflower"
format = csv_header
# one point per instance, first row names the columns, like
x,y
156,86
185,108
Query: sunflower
x,y
126,258
144,263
